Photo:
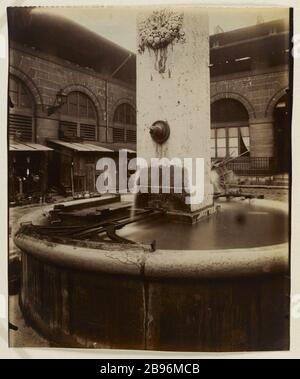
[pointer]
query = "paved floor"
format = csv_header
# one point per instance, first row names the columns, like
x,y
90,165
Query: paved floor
x,y
25,336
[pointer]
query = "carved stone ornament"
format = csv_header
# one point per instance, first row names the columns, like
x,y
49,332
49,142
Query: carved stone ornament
x,y
160,30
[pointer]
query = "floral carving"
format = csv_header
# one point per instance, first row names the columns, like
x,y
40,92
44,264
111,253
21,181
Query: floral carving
x,y
162,29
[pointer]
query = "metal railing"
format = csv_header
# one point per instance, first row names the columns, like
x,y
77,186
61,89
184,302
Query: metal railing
x,y
253,166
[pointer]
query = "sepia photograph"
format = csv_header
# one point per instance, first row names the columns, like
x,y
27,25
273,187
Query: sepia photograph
x,y
149,177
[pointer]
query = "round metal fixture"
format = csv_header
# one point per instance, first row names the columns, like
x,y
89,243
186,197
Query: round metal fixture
x,y
160,131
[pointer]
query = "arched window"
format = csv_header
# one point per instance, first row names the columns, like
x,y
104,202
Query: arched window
x,y
125,114
124,124
228,110
21,111
78,117
229,129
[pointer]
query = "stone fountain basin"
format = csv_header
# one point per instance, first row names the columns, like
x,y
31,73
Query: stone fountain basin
x,y
113,257
89,294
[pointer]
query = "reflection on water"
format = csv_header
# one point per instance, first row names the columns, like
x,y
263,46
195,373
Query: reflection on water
x,y
235,225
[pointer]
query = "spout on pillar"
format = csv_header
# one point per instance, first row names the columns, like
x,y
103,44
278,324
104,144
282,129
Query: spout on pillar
x,y
160,131
173,85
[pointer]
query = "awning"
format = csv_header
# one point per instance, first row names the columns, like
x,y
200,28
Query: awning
x,y
129,151
28,146
129,147
81,146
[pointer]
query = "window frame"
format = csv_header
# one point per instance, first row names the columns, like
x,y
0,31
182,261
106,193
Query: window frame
x,y
128,110
77,118
121,123
22,111
227,126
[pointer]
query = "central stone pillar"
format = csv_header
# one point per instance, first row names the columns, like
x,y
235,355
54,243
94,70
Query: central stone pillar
x,y
173,95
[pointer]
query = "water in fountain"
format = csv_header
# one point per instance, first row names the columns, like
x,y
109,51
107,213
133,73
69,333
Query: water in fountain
x,y
237,224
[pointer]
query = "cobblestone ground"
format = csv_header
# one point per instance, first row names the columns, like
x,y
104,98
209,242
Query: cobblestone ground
x,y
25,336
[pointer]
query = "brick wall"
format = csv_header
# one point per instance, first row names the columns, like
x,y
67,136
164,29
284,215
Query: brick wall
x,y
259,93
46,75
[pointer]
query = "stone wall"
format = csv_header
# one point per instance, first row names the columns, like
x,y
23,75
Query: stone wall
x,y
258,92
45,75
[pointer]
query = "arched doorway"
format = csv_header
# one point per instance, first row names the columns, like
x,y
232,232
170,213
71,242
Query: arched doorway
x,y
282,134
78,118
124,124
230,136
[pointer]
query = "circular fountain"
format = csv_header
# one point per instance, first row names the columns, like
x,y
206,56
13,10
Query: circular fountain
x,y
89,289
96,274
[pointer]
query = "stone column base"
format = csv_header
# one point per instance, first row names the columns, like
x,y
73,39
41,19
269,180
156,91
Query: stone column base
x,y
191,217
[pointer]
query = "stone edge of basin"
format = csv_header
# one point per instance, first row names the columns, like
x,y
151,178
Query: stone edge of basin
x,y
187,264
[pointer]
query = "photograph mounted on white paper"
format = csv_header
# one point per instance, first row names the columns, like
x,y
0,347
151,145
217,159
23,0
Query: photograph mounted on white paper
x,y
149,165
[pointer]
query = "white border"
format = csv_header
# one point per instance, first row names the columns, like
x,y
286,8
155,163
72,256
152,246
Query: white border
x,y
103,354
